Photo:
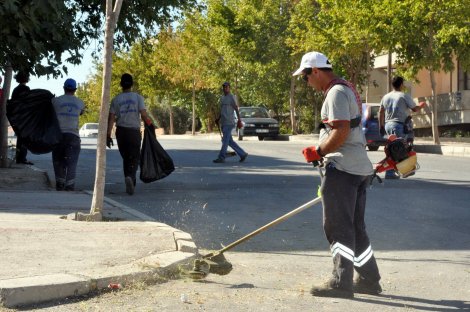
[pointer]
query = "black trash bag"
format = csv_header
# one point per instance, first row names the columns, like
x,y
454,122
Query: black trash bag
x,y
155,163
33,118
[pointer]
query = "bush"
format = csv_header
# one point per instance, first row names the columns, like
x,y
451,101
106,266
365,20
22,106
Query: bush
x,y
180,118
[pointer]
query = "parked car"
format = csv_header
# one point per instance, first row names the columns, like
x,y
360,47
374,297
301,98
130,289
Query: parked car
x,y
11,132
370,126
257,122
89,130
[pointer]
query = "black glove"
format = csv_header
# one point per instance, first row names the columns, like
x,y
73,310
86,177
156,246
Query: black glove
x,y
382,131
109,142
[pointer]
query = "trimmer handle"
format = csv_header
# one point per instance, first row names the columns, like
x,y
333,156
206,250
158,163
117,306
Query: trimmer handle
x,y
315,163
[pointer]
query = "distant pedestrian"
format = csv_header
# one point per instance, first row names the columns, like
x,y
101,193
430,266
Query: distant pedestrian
x,y
127,109
228,109
68,108
394,114
20,91
344,186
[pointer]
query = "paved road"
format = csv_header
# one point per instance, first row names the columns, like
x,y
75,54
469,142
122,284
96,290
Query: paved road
x,y
219,203
418,227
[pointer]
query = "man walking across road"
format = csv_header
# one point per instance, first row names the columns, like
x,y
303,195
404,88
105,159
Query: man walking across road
x,y
394,114
127,108
228,109
68,109
347,176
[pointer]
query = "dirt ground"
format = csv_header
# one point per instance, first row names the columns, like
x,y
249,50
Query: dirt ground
x,y
23,177
262,282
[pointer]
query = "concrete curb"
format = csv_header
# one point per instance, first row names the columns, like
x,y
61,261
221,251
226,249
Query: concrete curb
x,y
35,289
447,150
124,208
30,290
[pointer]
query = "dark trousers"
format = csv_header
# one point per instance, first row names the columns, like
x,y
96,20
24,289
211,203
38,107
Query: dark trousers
x,y
344,202
65,159
128,140
21,150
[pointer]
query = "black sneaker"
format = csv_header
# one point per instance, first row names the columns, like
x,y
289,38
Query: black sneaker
x,y
242,159
362,286
25,162
218,161
70,188
392,177
129,185
328,291
60,186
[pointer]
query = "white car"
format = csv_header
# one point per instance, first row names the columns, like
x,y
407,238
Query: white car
x,y
89,130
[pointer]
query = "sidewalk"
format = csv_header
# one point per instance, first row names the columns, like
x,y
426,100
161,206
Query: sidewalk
x,y
47,257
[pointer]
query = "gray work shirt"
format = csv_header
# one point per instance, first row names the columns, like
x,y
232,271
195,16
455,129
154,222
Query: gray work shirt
x,y
68,109
127,106
351,157
228,105
397,105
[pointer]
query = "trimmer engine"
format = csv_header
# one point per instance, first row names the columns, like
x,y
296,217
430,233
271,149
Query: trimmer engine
x,y
399,157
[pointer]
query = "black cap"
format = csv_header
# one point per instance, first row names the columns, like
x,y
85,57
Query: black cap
x,y
226,84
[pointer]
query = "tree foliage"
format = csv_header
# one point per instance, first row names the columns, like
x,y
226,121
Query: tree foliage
x,y
36,34
257,44
430,35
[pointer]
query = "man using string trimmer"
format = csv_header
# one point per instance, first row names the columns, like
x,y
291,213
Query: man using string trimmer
x,y
347,176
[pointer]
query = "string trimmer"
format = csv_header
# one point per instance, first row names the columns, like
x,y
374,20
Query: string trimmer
x,y
216,263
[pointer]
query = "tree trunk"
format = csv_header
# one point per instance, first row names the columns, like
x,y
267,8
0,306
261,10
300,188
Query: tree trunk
x,y
389,72
435,129
193,130
367,76
292,105
3,116
98,192
172,126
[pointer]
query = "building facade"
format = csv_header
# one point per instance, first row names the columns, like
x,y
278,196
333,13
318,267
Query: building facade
x,y
452,89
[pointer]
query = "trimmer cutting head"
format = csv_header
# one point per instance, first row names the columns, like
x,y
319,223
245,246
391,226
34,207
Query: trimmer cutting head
x,y
211,263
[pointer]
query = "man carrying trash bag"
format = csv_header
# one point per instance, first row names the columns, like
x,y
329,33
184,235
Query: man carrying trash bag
x,y
127,108
19,91
34,120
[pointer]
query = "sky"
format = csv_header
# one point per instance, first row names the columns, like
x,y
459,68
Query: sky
x,y
79,73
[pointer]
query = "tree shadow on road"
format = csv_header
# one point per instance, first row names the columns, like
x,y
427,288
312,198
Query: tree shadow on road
x,y
414,303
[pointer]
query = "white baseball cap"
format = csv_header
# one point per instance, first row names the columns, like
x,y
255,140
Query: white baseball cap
x,y
313,60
